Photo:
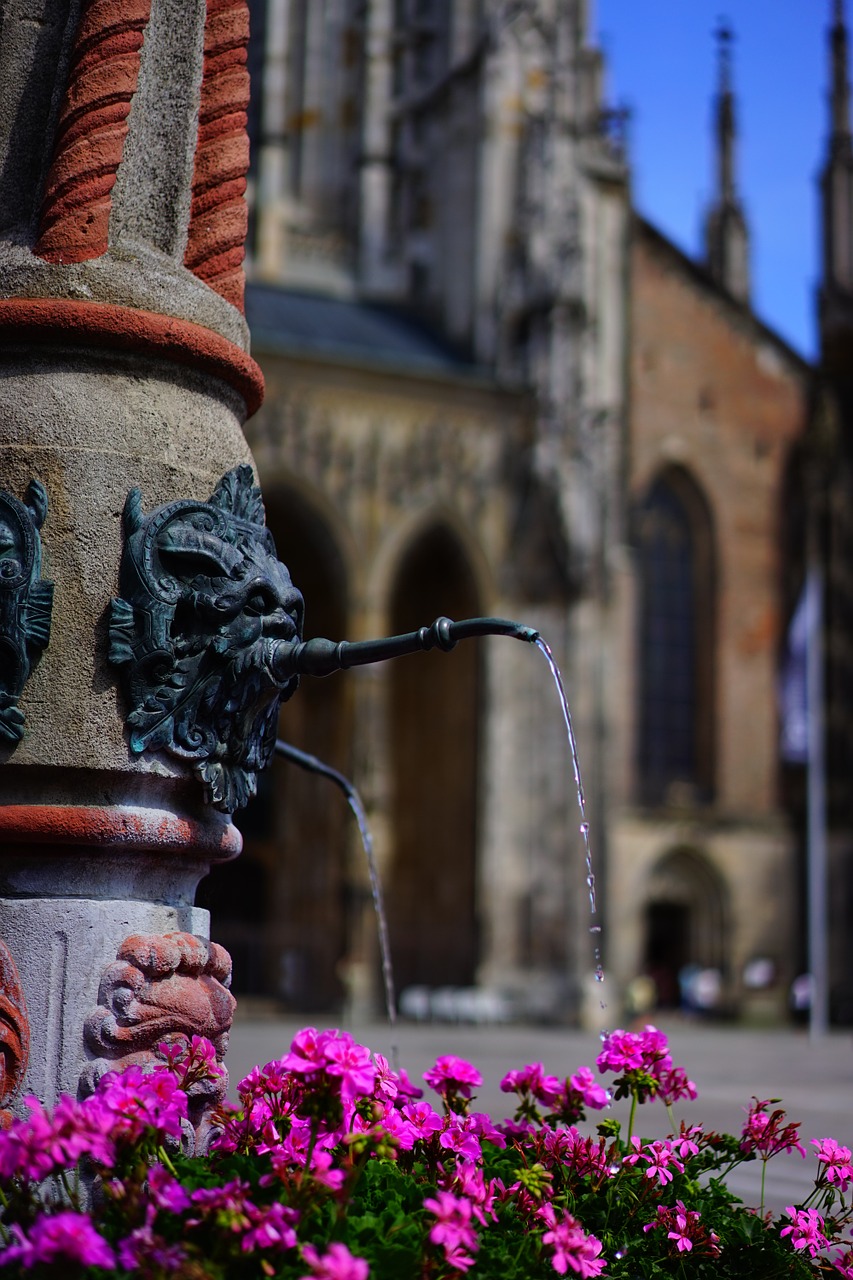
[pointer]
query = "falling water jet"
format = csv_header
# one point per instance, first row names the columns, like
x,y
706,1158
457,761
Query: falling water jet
x,y
595,927
321,657
354,800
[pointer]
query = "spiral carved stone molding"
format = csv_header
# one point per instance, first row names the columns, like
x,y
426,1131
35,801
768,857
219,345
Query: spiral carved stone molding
x,y
92,129
219,216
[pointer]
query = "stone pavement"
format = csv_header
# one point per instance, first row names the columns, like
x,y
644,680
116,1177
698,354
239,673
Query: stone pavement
x,y
729,1064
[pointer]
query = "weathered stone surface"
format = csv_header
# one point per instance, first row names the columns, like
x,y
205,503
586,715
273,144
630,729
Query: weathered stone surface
x,y
61,946
92,427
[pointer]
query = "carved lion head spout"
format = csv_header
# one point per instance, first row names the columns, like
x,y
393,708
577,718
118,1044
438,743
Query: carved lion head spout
x,y
205,605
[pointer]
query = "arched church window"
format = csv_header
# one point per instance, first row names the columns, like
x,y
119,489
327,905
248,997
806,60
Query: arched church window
x,y
676,650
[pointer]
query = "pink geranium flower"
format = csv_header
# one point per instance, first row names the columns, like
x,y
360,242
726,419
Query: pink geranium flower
x,y
452,1229
352,1064
843,1263
532,1080
68,1236
766,1132
686,1141
592,1093
585,1155
460,1136
684,1227
643,1061
660,1158
570,1247
467,1179
424,1120
837,1159
145,1250
165,1191
143,1101
805,1230
453,1075
337,1263
272,1228
306,1051
673,1085
629,1051
386,1084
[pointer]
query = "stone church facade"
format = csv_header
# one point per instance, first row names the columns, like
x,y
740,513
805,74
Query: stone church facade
x,y
493,389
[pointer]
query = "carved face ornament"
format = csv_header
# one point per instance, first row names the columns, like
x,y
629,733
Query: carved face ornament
x,y
205,607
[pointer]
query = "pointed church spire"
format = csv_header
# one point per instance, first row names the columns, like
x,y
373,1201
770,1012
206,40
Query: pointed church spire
x,y
727,237
839,97
836,294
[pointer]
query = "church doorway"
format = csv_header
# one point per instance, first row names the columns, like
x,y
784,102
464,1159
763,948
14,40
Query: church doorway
x,y
685,928
435,730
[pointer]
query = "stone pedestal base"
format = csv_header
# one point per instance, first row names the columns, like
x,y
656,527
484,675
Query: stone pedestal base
x,y
62,948
103,954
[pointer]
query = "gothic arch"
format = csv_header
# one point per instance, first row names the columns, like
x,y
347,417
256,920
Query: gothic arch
x,y
387,565
285,491
677,573
298,827
687,919
434,722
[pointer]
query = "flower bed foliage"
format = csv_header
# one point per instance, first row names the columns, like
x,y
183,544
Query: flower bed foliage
x,y
334,1167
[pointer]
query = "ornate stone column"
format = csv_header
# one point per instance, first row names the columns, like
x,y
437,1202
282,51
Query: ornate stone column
x,y
124,367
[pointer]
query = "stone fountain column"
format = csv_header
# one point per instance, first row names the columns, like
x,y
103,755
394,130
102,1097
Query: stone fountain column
x,y
125,371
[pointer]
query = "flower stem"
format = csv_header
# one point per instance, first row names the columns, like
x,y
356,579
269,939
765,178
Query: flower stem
x,y
165,1159
631,1117
763,1175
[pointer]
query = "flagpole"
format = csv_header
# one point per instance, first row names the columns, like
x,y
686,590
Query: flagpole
x,y
816,786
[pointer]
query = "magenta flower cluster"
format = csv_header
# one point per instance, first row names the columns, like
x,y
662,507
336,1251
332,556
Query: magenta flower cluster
x,y
684,1227
328,1138
644,1066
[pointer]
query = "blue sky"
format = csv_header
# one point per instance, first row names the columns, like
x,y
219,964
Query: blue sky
x,y
661,59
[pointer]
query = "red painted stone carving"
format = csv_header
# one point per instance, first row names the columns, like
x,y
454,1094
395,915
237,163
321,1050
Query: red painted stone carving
x,y
103,324
14,1033
218,215
162,988
92,129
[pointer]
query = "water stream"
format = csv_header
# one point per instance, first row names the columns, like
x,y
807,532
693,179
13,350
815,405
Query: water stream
x,y
354,800
595,926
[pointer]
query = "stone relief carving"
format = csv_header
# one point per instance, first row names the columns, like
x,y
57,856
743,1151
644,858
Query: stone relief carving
x,y
25,600
162,988
434,462
204,609
14,1033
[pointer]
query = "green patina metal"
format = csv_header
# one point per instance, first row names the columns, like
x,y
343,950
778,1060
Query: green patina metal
x,y
26,600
